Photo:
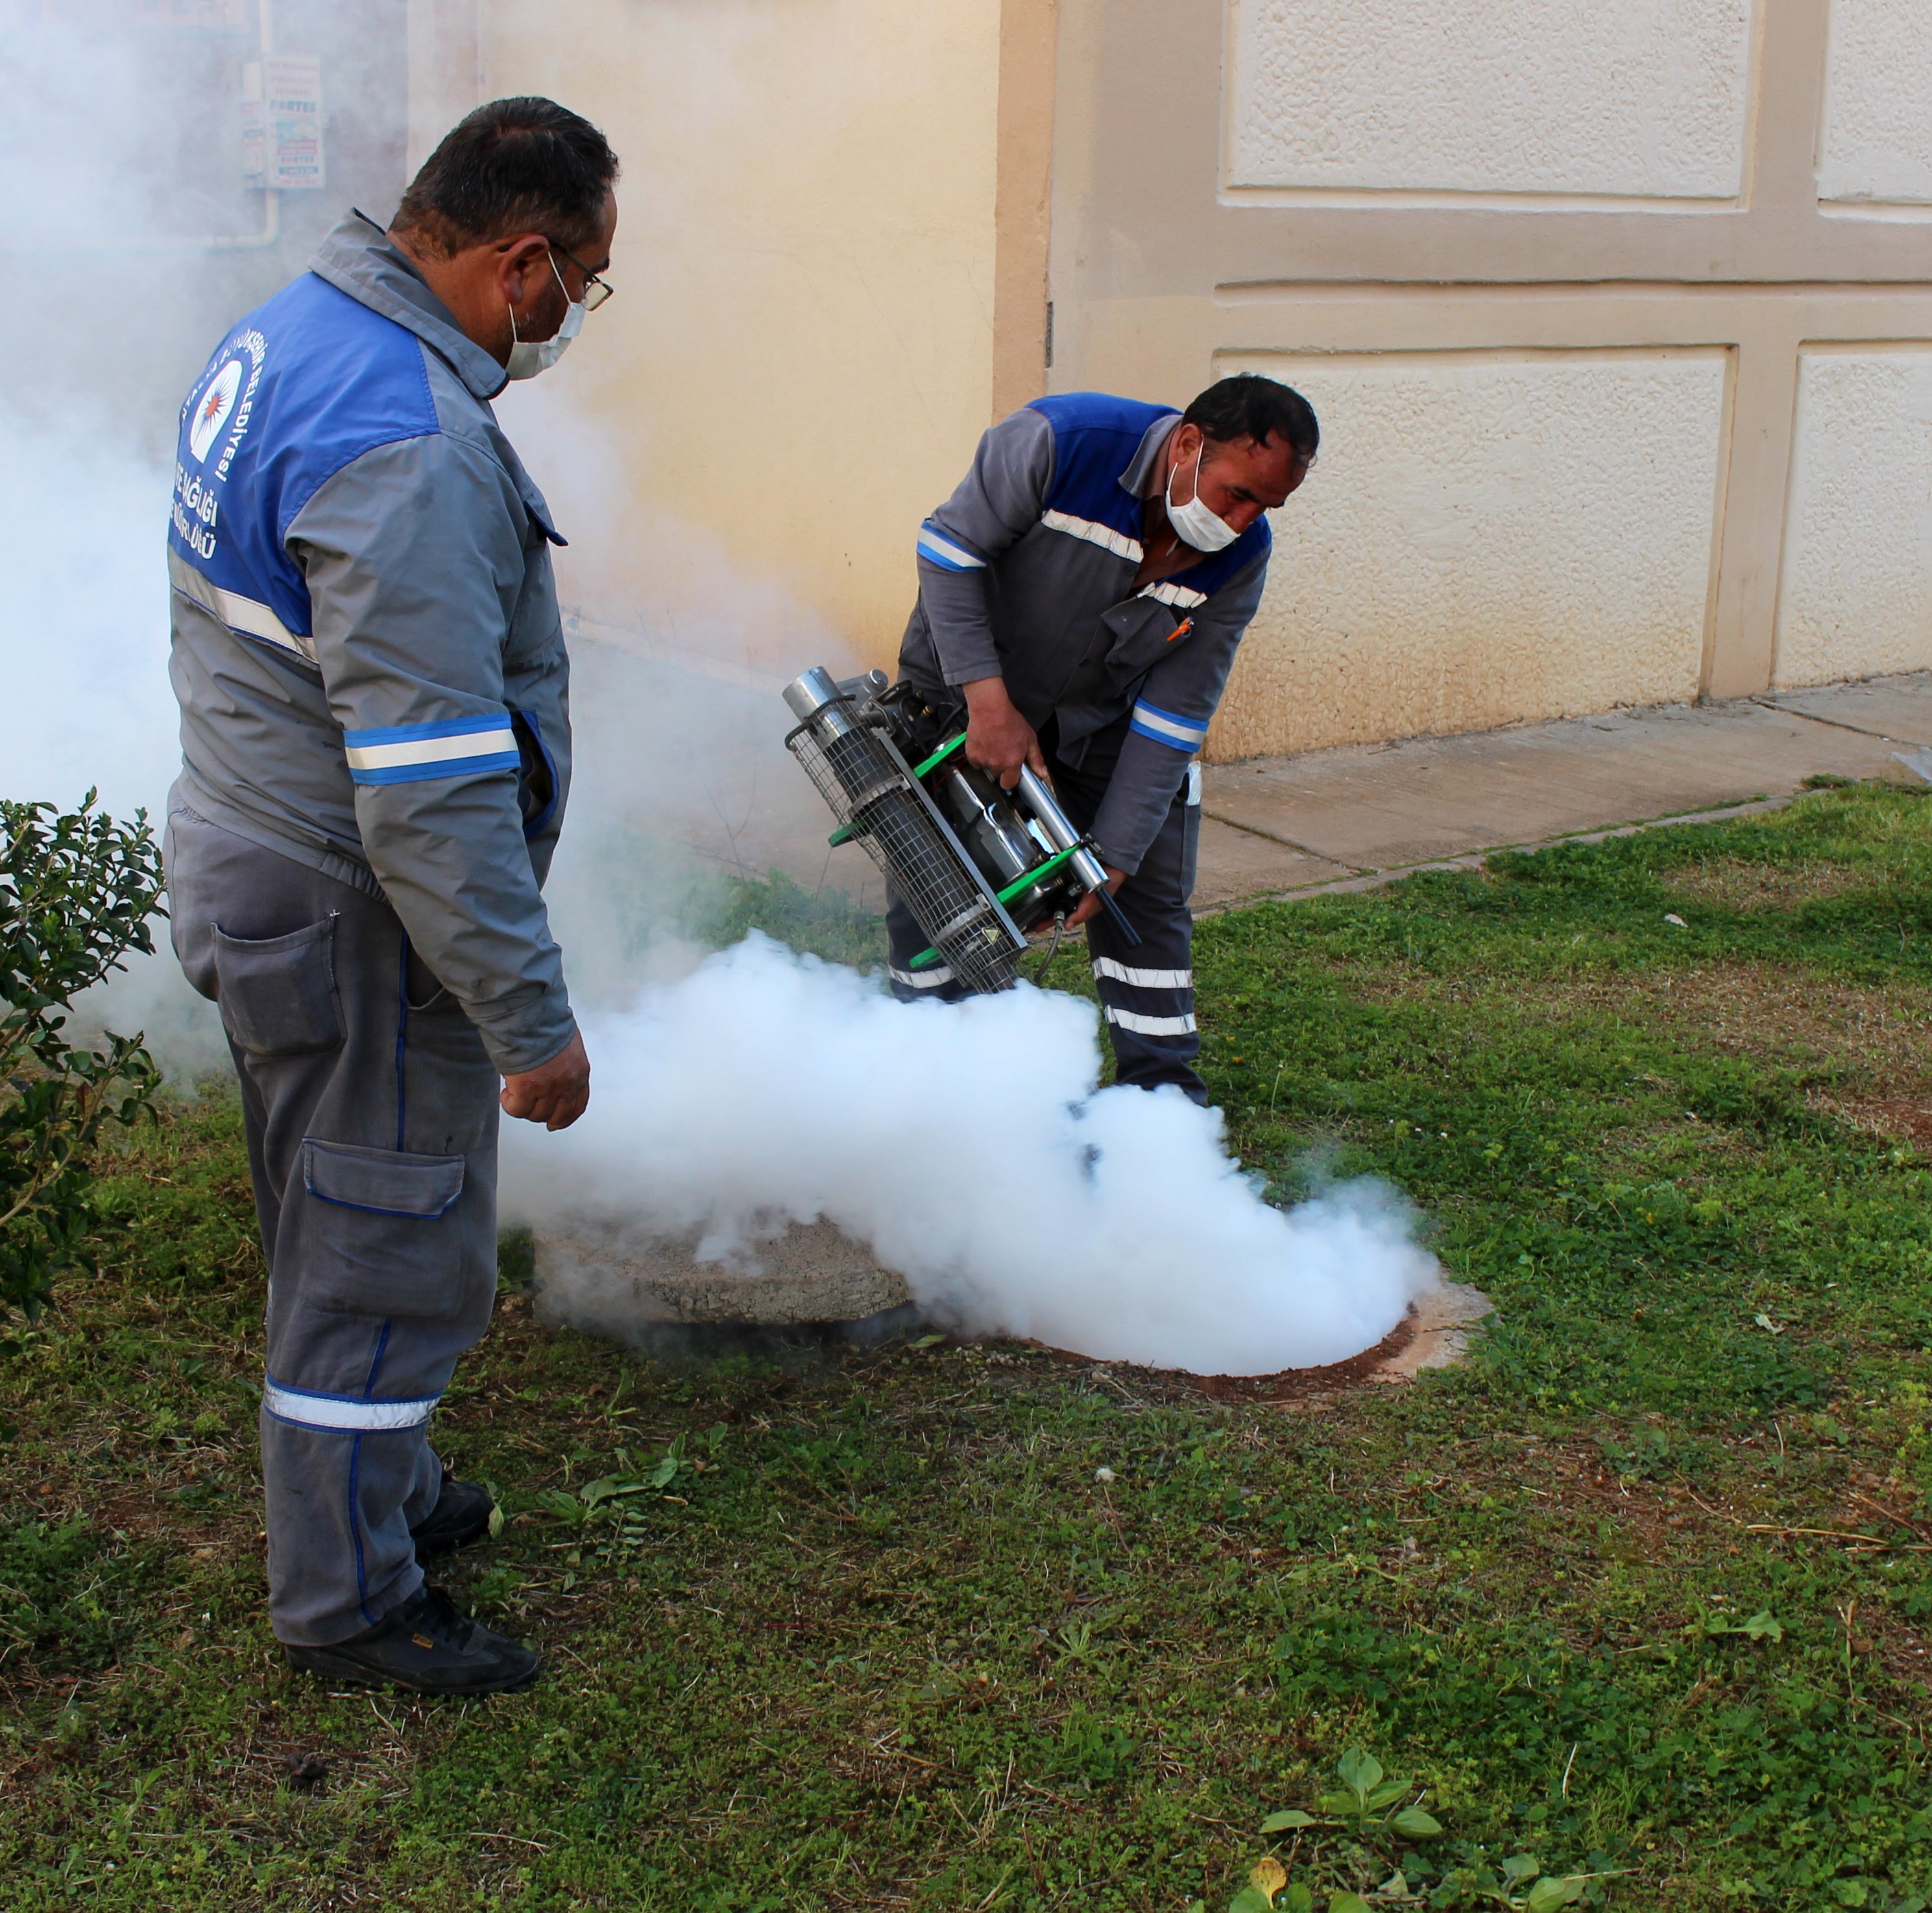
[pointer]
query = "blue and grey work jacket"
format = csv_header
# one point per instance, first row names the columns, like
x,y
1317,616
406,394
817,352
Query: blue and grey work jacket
x,y
366,649
1026,573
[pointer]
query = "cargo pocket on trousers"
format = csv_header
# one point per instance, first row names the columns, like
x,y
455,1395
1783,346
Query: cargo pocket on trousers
x,y
384,1241
277,994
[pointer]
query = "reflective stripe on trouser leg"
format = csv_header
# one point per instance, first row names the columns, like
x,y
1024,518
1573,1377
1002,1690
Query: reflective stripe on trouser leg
x,y
1146,995
905,940
1146,990
368,1312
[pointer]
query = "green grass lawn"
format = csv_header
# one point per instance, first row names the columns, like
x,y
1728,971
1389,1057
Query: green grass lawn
x,y
1641,1593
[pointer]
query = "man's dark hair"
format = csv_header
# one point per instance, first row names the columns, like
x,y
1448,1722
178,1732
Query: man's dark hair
x,y
513,165
1248,407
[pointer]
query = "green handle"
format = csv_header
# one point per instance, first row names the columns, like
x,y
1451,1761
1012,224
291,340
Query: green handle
x,y
1038,874
944,751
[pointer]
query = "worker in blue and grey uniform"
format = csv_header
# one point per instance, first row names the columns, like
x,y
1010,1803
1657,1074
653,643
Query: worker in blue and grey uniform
x,y
1082,595
376,737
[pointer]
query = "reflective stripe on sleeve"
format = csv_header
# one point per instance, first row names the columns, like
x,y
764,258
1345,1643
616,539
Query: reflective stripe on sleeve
x,y
248,615
921,980
351,1414
1105,536
938,549
1150,1025
1144,979
403,753
1177,733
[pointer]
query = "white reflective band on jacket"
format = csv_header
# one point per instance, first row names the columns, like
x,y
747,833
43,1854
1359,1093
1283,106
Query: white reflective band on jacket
x,y
246,615
348,1412
1150,1025
935,545
1144,979
1178,595
1105,536
406,753
1168,727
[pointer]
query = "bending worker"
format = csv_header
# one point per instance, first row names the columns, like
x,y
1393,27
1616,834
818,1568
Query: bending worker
x,y
1080,596
372,677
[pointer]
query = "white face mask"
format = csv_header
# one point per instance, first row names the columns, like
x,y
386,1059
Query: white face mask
x,y
527,357
1193,523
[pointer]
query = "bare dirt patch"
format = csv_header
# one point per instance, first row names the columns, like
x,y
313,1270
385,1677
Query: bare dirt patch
x,y
1434,1334
1880,1039
1907,1119
1736,883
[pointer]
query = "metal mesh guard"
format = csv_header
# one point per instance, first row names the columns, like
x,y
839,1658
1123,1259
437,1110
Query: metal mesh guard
x,y
868,793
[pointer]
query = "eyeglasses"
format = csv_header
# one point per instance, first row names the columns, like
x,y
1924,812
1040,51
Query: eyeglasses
x,y
595,290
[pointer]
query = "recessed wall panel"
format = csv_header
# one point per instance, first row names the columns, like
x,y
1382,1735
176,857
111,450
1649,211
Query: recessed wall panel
x,y
1877,141
1639,99
1855,598
1484,539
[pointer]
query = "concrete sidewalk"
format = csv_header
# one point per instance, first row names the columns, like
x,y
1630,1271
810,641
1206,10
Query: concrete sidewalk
x,y
1350,818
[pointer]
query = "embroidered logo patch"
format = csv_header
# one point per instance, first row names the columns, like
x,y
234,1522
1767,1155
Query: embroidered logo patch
x,y
212,414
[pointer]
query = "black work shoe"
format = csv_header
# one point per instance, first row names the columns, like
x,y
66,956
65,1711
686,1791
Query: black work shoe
x,y
461,1516
428,1645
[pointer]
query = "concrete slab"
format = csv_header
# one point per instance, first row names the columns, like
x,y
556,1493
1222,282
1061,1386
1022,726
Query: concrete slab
x,y
1442,1320
1384,808
1234,864
651,1292
625,1282
1897,708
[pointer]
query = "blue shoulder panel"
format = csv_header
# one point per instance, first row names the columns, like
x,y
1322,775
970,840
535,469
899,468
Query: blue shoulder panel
x,y
1095,436
304,386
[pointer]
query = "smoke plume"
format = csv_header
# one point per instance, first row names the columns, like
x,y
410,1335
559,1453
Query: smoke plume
x,y
967,1147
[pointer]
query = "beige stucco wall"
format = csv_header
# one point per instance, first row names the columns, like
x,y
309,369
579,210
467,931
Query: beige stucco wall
x,y
1643,99
1857,594
1603,306
1876,146
799,358
1375,198
1496,532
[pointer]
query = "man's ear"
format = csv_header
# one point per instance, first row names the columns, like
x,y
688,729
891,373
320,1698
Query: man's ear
x,y
517,262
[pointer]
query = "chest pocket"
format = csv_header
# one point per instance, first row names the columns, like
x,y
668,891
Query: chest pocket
x,y
541,530
1141,630
535,638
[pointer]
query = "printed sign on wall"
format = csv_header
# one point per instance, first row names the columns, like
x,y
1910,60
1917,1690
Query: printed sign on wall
x,y
281,122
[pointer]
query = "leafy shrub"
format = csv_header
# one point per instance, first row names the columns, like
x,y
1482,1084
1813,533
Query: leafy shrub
x,y
76,891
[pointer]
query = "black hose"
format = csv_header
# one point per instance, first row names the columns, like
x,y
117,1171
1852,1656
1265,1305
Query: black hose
x,y
1119,916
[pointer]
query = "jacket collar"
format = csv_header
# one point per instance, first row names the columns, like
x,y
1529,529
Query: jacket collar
x,y
1137,479
359,259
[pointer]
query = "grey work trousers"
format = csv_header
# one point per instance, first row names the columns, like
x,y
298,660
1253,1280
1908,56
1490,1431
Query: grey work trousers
x,y
1146,990
370,1107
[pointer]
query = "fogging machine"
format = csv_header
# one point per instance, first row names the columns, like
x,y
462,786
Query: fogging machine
x,y
978,866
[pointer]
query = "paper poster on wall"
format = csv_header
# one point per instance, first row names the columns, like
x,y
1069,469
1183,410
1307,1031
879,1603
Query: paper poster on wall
x,y
281,122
